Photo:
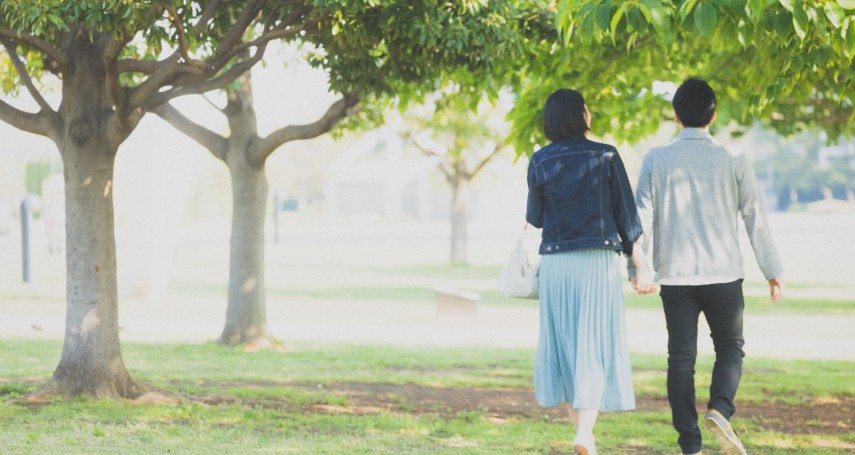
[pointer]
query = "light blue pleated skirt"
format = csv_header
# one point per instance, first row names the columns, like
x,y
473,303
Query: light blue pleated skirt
x,y
582,352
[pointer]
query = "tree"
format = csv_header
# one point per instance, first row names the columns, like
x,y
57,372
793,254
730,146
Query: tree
x,y
463,141
786,64
376,53
244,152
108,59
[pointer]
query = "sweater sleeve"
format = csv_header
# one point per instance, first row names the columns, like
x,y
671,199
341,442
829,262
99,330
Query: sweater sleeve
x,y
644,205
754,217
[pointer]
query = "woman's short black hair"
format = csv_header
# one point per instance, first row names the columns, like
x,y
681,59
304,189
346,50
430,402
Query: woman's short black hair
x,y
694,103
564,115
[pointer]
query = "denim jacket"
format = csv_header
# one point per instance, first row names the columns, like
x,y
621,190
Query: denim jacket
x,y
578,192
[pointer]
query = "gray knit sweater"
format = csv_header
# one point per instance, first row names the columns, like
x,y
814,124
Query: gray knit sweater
x,y
690,194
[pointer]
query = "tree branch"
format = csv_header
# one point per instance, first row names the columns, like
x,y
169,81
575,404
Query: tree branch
x,y
334,114
275,33
441,162
150,88
212,141
182,39
37,43
114,87
207,85
41,123
212,103
234,35
130,65
206,17
498,148
24,75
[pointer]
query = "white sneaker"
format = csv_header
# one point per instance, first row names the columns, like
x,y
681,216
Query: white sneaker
x,y
723,431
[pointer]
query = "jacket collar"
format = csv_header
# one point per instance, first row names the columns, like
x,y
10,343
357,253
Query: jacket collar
x,y
694,133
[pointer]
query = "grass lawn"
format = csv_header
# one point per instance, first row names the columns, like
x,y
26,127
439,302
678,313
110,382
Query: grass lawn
x,y
340,399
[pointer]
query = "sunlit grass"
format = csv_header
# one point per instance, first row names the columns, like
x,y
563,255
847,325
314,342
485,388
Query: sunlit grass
x,y
281,402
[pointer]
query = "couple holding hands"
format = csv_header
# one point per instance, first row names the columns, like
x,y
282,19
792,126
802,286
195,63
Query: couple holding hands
x,y
690,194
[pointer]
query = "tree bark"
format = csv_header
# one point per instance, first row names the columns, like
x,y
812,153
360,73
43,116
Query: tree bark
x,y
91,361
459,219
246,316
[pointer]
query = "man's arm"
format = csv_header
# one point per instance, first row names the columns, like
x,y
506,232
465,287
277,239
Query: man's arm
x,y
644,206
754,217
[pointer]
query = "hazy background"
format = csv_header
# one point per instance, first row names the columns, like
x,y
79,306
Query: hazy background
x,y
360,257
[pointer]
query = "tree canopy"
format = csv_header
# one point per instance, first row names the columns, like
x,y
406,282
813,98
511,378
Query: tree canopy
x,y
786,64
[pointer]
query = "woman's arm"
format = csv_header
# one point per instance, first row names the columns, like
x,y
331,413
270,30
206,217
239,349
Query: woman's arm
x,y
534,207
623,204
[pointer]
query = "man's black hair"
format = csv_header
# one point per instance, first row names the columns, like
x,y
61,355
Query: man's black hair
x,y
694,103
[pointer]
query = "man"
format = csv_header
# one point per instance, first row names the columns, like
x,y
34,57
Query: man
x,y
690,194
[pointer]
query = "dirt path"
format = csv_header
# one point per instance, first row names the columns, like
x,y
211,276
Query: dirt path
x,y
830,416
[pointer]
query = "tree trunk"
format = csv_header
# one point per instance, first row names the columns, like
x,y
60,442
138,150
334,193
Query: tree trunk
x,y
459,220
91,361
246,316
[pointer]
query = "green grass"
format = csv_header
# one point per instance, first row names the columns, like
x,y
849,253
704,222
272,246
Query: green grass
x,y
289,402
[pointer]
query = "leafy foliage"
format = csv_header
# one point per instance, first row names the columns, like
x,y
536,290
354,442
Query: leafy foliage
x,y
785,63
405,49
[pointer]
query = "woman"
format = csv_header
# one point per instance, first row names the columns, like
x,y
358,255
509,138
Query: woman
x,y
580,195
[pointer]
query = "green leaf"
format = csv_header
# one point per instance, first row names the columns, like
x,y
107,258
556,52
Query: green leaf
x,y
745,34
756,10
850,37
783,25
686,8
604,15
734,8
835,14
660,19
846,4
705,19
788,4
636,20
800,22
616,18
586,30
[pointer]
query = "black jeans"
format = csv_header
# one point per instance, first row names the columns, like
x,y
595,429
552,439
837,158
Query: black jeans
x,y
722,305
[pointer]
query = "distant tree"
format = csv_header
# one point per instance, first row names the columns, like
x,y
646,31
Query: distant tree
x,y
244,151
462,139
796,168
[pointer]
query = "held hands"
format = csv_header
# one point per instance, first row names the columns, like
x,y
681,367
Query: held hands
x,y
642,282
776,288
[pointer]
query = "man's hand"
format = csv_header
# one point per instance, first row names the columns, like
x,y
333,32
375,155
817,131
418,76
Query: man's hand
x,y
776,288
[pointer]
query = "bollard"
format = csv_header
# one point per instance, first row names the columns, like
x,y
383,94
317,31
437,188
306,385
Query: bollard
x,y
25,239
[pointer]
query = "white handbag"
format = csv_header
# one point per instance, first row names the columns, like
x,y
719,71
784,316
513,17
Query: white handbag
x,y
518,278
